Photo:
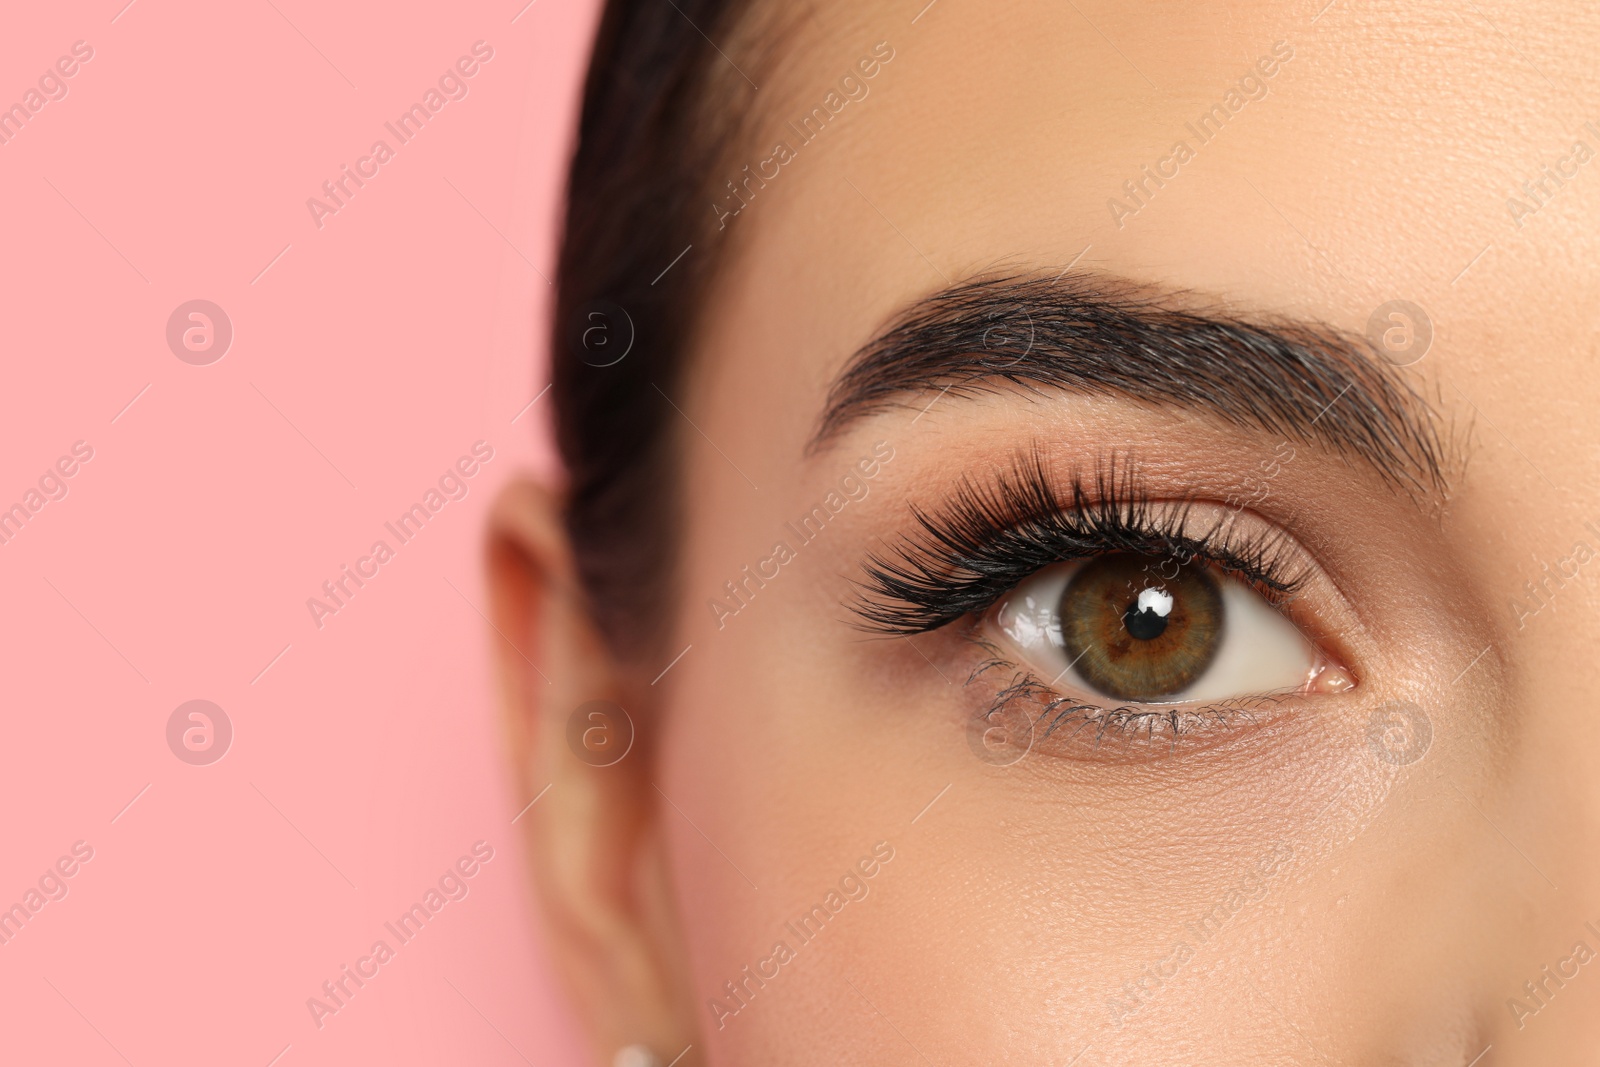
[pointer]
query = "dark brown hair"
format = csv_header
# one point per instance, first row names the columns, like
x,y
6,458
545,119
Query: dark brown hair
x,y
661,105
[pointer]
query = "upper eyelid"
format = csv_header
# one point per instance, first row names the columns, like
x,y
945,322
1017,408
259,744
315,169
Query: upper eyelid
x,y
1195,549
978,518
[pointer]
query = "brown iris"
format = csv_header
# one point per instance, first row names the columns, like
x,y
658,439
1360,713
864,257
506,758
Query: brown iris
x,y
1134,632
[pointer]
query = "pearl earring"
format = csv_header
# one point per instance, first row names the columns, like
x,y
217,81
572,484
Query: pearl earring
x,y
635,1056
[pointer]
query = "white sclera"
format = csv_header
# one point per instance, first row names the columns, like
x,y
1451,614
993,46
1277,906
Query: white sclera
x,y
1261,651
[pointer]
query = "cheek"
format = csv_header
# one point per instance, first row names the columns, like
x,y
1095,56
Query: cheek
x,y
793,791
779,787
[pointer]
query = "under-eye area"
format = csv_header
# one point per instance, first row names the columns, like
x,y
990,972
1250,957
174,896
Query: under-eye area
x,y
1017,713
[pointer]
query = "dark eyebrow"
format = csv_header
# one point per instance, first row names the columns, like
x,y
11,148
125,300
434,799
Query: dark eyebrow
x,y
1104,336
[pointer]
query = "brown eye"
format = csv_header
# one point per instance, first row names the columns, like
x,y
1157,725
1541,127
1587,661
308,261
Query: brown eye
x,y
1133,632
1136,629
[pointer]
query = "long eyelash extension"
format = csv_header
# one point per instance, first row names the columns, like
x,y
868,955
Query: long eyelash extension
x,y
989,538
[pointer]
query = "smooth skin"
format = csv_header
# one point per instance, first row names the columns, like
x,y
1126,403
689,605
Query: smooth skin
x,y
1362,910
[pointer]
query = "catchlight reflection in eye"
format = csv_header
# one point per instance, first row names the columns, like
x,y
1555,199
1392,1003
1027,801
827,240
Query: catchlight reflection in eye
x,y
1142,629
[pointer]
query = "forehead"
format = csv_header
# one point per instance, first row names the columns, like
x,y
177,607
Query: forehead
x,y
1278,158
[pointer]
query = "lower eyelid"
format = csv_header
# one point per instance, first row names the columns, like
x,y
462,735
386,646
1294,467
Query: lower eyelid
x,y
1162,726
1017,714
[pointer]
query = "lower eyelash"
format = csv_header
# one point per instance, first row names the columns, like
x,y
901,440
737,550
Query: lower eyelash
x,y
1128,721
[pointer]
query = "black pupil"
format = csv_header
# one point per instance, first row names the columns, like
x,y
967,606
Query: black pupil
x,y
1144,623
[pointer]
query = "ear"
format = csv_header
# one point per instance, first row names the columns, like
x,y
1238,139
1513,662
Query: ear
x,y
591,833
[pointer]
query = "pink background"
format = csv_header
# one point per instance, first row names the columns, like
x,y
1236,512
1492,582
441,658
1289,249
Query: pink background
x,y
367,356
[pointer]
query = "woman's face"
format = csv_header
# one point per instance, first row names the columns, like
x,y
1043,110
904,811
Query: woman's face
x,y
1314,782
